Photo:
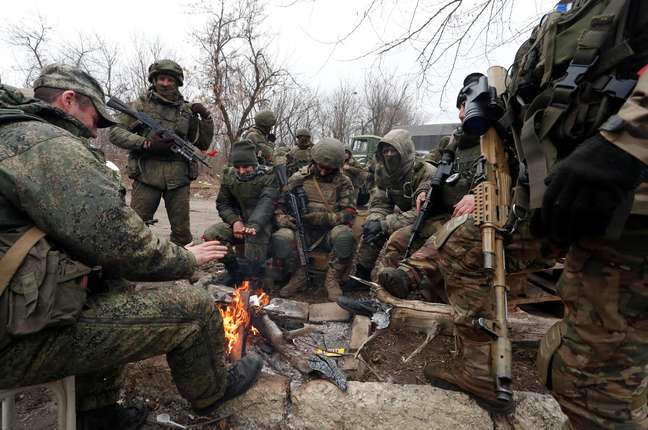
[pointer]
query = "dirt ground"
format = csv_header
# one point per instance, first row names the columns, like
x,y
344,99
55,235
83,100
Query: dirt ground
x,y
150,380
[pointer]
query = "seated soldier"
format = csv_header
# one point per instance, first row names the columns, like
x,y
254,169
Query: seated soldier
x,y
354,171
399,178
330,214
245,203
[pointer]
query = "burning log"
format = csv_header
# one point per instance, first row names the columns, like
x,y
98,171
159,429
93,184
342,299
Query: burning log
x,y
273,334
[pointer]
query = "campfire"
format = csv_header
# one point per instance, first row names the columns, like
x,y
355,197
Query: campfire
x,y
237,318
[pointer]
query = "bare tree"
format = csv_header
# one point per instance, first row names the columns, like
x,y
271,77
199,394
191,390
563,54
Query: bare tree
x,y
30,40
388,103
295,107
236,71
340,115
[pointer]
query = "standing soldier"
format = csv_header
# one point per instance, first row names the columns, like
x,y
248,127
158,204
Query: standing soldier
x,y
581,132
260,134
245,203
355,172
67,241
399,179
301,155
328,219
156,171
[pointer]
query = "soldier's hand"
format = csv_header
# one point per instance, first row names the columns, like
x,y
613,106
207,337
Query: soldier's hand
x,y
207,251
585,189
200,109
465,206
158,143
420,199
286,221
238,229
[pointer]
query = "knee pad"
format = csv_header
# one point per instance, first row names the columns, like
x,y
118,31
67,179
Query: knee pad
x,y
281,245
344,244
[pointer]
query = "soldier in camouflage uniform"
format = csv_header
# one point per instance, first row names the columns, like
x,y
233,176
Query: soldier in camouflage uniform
x,y
435,156
245,203
584,145
67,237
259,134
327,222
299,156
156,171
354,171
456,201
399,179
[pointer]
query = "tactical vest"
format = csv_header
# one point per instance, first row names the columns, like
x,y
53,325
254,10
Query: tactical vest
x,y
178,118
576,70
322,195
465,167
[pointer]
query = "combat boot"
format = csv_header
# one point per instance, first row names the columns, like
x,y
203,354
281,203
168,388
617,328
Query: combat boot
x,y
113,417
332,279
240,377
296,283
353,285
470,373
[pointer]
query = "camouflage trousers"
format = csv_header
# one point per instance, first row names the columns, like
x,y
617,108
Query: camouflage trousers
x,y
119,328
339,242
255,247
368,253
599,372
460,260
394,250
145,200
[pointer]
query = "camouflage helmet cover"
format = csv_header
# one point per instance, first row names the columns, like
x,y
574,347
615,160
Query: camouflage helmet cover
x,y
302,132
265,119
328,152
167,67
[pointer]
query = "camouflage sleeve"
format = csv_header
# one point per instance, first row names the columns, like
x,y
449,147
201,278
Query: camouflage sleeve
x,y
75,199
264,209
346,201
120,134
629,128
422,179
226,205
380,205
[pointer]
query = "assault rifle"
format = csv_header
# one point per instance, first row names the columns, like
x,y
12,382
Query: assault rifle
x,y
302,251
443,174
492,204
179,146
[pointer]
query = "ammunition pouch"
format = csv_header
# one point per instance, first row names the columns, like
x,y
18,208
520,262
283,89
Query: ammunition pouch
x,y
193,170
39,286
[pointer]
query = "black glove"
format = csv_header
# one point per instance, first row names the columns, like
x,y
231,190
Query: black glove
x,y
200,109
272,138
586,188
159,143
372,231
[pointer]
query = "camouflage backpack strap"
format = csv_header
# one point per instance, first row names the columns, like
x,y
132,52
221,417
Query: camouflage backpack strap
x,y
8,115
15,255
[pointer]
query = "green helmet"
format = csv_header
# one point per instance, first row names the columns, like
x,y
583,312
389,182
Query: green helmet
x,y
265,119
302,132
328,152
168,67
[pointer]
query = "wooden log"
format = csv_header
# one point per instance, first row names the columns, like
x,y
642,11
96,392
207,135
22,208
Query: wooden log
x,y
273,334
423,316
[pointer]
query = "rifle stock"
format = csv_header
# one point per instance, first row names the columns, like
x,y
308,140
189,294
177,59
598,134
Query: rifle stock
x,y
180,146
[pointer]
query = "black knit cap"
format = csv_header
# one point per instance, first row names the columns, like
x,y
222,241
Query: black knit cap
x,y
244,153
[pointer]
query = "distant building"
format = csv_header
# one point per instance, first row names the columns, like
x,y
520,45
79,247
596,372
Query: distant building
x,y
426,137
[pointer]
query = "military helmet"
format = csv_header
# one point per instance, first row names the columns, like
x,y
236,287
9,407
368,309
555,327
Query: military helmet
x,y
328,152
302,132
167,67
265,119
468,80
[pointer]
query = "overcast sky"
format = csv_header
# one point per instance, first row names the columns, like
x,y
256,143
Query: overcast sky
x,y
305,32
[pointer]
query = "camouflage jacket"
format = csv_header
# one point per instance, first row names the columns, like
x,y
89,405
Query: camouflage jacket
x,y
298,158
264,148
356,172
252,202
162,171
50,178
332,195
394,202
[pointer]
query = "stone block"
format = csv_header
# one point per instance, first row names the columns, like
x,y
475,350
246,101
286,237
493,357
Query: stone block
x,y
284,309
322,312
360,329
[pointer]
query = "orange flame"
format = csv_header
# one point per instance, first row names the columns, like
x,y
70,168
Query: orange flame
x,y
235,315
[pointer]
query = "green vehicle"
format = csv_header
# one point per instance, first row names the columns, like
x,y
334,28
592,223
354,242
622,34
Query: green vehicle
x,y
363,147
